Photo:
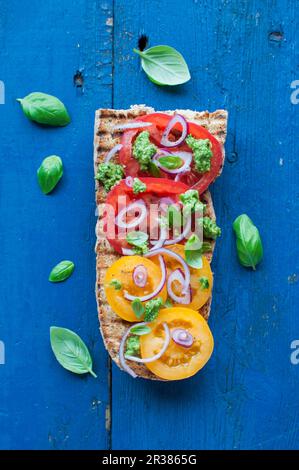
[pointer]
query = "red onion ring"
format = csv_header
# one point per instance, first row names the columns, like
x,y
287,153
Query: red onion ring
x,y
166,251
177,275
159,354
131,125
128,252
137,205
182,337
129,181
165,202
158,288
112,152
183,235
121,354
177,118
140,275
185,156
162,239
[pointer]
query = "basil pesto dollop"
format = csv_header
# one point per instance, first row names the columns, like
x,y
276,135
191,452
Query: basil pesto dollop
x,y
144,150
210,228
109,174
202,153
138,186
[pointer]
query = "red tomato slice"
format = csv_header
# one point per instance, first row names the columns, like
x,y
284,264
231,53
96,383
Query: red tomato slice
x,y
122,195
199,181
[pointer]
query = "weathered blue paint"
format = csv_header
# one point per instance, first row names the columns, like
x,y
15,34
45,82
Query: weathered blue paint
x,y
42,46
246,396
243,57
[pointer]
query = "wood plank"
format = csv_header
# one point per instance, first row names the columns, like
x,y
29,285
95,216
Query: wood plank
x,y
43,44
246,396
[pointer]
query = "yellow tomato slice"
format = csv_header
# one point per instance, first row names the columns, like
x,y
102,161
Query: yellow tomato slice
x,y
178,362
122,271
199,295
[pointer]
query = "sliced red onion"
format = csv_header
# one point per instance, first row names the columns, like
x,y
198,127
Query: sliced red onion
x,y
129,181
131,125
177,118
158,289
122,349
166,251
184,234
182,337
137,205
162,239
185,156
112,152
127,251
159,354
177,275
140,275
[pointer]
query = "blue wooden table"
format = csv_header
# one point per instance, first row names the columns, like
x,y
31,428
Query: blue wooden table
x,y
243,56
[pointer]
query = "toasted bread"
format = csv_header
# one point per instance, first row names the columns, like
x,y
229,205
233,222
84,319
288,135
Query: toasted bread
x,y
111,325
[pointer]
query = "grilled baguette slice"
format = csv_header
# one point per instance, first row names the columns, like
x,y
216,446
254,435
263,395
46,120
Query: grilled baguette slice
x,y
113,327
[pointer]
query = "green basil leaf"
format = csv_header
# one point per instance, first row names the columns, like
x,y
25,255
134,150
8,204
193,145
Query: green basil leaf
x,y
171,162
61,271
49,173
70,351
154,170
164,65
137,238
248,241
141,330
45,109
193,251
138,308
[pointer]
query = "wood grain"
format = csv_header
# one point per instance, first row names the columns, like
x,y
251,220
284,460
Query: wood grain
x,y
244,398
243,56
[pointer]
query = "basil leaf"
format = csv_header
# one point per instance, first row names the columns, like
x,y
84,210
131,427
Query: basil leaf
x,y
45,109
172,162
248,241
49,173
70,351
154,170
141,330
193,251
61,271
164,65
204,283
137,238
138,308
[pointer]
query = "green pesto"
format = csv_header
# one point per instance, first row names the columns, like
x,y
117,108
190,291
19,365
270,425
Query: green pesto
x,y
116,284
191,202
202,153
109,174
144,150
152,308
210,228
133,346
138,186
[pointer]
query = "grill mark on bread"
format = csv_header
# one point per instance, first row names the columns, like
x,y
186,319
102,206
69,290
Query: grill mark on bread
x,y
113,327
